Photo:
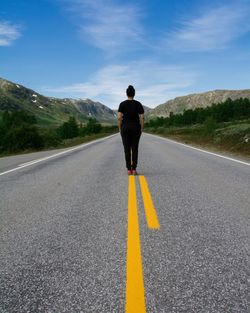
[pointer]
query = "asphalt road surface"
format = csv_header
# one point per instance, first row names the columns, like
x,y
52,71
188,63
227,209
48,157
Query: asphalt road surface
x,y
67,243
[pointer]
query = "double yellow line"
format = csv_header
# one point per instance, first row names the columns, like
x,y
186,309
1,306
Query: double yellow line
x,y
135,296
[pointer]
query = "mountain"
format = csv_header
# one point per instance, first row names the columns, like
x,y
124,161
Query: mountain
x,y
192,101
49,110
93,109
147,109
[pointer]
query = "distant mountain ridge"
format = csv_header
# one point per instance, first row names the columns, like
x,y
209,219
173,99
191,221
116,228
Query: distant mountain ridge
x,y
192,101
49,110
93,109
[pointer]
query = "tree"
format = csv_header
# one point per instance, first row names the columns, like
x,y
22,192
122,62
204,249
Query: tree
x,y
19,132
69,129
92,127
209,126
22,137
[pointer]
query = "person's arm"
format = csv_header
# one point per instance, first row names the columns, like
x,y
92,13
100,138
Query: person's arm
x,y
141,116
119,118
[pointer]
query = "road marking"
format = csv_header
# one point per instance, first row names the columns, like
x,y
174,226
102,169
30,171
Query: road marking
x,y
33,162
53,155
135,297
150,211
205,151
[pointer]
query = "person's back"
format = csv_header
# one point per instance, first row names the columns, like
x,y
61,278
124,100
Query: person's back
x,y
130,122
131,110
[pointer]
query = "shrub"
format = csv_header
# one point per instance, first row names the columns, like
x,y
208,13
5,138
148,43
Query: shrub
x,y
22,137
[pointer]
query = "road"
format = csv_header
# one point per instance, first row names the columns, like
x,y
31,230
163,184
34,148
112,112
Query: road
x,y
71,240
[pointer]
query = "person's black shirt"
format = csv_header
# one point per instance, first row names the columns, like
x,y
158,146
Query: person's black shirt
x,y
131,110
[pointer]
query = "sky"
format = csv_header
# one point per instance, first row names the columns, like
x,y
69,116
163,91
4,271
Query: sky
x,y
96,48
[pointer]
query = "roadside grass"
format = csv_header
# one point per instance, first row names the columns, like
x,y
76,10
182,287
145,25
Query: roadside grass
x,y
229,137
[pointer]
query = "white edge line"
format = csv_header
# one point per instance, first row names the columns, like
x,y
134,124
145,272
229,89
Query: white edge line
x,y
54,155
205,151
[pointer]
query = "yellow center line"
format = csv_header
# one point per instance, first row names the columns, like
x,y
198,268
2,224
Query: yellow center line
x,y
135,297
150,211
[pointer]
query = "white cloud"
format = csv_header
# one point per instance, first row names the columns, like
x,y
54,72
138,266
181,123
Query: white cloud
x,y
213,30
8,33
154,83
107,25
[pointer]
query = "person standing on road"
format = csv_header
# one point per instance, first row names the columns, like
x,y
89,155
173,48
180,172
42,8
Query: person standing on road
x,y
130,123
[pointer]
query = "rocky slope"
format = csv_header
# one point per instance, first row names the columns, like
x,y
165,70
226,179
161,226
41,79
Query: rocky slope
x,y
192,101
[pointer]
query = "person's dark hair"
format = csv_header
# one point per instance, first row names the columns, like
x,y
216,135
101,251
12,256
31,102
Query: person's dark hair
x,y
130,91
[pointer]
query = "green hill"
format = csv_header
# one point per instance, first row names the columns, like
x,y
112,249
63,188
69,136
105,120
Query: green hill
x,y
48,110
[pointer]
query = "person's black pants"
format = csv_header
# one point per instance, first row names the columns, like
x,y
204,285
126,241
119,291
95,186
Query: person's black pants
x,y
130,139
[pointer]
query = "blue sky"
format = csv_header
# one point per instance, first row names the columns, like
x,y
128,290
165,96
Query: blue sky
x,y
96,48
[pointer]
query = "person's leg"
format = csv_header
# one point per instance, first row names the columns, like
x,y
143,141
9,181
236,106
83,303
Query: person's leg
x,y
135,144
126,140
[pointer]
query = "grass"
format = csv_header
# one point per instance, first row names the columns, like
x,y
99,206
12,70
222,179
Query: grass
x,y
231,137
